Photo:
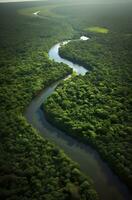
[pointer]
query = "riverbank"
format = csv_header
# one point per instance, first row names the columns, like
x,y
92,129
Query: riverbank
x,y
106,183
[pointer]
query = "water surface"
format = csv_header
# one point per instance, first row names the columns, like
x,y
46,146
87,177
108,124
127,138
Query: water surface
x,y
106,183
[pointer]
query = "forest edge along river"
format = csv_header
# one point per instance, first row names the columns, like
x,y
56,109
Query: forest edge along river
x,y
106,183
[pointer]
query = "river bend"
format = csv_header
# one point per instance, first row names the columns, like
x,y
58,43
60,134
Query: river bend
x,y
106,183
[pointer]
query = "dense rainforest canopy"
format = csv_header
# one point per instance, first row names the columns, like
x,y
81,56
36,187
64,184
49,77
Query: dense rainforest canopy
x,y
94,108
30,166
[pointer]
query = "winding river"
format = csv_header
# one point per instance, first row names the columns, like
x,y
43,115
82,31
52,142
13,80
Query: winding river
x,y
106,183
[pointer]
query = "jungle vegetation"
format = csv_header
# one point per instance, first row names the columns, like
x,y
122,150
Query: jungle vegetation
x,y
30,166
96,108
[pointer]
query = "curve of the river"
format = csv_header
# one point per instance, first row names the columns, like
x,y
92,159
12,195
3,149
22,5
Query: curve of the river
x,y
106,183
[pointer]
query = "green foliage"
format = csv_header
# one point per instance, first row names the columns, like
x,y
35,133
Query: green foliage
x,y
96,108
96,29
30,166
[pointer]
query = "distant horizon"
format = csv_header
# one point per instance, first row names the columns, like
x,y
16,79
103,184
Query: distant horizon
x,y
89,1
8,1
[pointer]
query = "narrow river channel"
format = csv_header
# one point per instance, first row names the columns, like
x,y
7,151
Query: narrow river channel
x,y
106,183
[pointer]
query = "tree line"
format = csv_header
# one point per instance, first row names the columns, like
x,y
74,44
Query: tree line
x,y
96,108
